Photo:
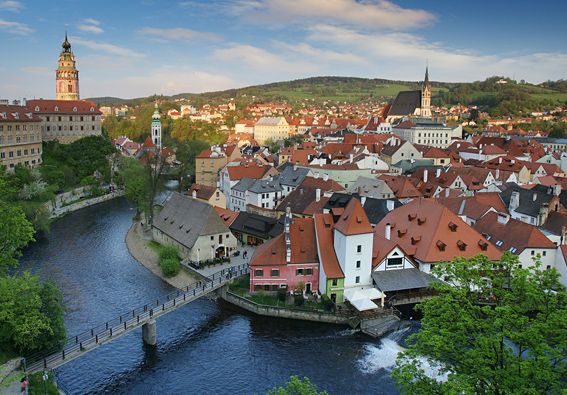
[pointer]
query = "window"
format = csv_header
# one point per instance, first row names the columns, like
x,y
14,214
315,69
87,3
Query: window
x,y
275,272
299,272
533,252
394,262
357,280
358,264
212,238
308,271
258,272
548,267
334,282
544,253
359,249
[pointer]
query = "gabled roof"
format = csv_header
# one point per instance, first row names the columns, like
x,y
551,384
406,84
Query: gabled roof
x,y
474,206
531,200
204,192
514,236
353,220
228,216
430,232
68,107
376,209
256,225
185,219
405,103
246,171
325,186
325,246
292,175
10,113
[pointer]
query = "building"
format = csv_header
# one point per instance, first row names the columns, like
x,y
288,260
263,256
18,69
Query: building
x,y
532,205
260,193
156,127
412,103
194,228
209,162
67,75
66,120
427,132
208,194
20,137
271,128
254,229
399,150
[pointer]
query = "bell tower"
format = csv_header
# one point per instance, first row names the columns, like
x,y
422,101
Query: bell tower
x,y
67,75
426,96
156,127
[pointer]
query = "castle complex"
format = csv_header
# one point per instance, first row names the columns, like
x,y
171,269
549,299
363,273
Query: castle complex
x,y
67,75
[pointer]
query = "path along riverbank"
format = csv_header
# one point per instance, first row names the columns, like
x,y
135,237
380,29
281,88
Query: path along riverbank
x,y
137,240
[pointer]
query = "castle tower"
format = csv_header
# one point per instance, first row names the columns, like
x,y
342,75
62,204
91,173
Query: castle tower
x,y
67,75
156,127
425,110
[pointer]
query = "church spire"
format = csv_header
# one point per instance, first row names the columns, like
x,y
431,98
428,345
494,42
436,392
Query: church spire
x,y
426,80
66,44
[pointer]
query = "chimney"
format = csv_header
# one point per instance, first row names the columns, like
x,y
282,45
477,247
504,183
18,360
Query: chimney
x,y
295,167
499,160
557,189
503,218
514,200
350,157
425,174
447,192
317,194
362,200
438,172
325,177
534,197
387,231
390,204
194,194
287,224
497,174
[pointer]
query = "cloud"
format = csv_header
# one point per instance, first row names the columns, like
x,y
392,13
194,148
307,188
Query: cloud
x,y
261,60
178,33
106,47
401,55
90,25
37,70
304,49
15,27
373,14
11,5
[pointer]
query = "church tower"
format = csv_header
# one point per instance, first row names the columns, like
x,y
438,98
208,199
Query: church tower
x,y
67,75
156,127
425,110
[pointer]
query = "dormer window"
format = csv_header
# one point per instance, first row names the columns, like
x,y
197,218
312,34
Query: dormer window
x,y
91,109
462,245
56,108
74,109
453,226
441,245
421,220
483,245
36,108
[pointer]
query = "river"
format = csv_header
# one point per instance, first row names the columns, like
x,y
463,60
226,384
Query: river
x,y
204,347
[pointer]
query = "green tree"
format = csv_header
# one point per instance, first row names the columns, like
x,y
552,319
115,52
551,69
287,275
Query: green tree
x,y
185,154
297,386
494,328
133,177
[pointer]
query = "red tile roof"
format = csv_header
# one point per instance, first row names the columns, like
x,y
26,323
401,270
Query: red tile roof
x,y
80,107
246,171
204,192
430,232
353,220
228,216
10,113
327,255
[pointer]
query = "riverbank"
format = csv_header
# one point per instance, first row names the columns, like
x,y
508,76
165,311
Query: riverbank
x,y
137,240
61,211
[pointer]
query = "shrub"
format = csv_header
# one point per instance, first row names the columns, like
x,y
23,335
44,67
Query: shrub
x,y
170,266
168,252
298,299
281,294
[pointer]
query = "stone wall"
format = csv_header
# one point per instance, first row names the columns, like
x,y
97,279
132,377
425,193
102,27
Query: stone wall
x,y
58,212
281,312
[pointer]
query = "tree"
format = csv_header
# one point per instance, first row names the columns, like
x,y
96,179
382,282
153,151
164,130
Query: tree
x,y
133,176
186,153
15,230
272,145
494,328
296,386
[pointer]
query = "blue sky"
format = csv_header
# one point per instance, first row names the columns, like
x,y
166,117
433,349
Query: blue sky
x,y
138,48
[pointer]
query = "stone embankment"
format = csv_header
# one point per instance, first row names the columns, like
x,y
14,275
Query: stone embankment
x,y
61,211
137,240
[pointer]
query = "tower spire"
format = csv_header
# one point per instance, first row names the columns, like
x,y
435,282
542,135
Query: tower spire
x,y
66,44
426,80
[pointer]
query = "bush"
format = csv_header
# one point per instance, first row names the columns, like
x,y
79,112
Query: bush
x,y
170,266
298,299
327,303
281,294
168,252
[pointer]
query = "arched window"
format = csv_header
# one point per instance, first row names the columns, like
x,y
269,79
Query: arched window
x,y
36,108
74,109
56,108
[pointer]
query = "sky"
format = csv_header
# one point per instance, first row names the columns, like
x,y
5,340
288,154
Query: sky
x,y
131,49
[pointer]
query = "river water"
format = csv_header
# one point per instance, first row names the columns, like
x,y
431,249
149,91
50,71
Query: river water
x,y
204,347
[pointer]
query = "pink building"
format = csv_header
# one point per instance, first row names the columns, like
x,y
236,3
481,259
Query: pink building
x,y
288,259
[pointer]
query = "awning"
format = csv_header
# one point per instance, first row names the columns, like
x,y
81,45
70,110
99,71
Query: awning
x,y
362,298
401,279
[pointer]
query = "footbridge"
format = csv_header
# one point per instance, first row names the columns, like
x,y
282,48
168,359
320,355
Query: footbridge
x,y
144,316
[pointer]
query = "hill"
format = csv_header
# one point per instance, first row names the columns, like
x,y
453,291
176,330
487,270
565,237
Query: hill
x,y
493,95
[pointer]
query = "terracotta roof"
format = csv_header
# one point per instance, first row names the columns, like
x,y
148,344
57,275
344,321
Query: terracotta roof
x,y
10,113
430,232
303,246
514,236
80,107
353,220
327,255
329,185
555,222
228,216
203,191
474,206
240,172
401,186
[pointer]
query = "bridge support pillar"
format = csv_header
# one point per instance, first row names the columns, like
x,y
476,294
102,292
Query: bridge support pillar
x,y
149,332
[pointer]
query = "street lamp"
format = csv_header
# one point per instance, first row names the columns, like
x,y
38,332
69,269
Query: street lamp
x,y
45,378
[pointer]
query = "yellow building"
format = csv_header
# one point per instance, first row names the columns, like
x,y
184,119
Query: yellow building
x,y
271,128
20,137
210,161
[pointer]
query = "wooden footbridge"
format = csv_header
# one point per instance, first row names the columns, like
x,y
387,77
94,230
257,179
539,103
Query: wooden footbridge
x,y
143,316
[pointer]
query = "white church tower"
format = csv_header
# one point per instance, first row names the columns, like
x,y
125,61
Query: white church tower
x,y
156,127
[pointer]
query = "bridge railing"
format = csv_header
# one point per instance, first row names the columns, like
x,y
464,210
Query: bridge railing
x,y
126,321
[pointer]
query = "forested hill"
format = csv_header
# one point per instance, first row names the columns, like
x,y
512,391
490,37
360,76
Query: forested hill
x,y
493,94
